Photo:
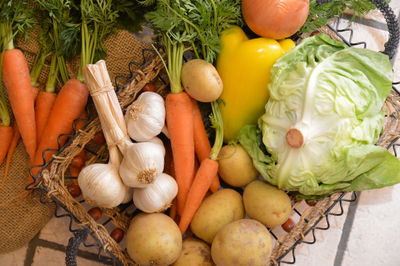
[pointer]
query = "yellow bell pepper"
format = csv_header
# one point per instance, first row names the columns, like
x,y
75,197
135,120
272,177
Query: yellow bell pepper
x,y
244,66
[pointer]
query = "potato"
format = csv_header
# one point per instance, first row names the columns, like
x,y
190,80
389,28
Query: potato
x,y
240,243
153,239
201,80
194,253
266,203
235,166
217,210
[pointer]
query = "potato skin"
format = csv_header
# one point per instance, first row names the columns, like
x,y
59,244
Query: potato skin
x,y
244,242
153,239
194,253
216,211
266,203
235,166
201,80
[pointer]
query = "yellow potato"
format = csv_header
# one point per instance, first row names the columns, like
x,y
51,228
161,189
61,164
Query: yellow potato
x,y
194,253
201,80
245,242
216,211
235,166
267,204
153,239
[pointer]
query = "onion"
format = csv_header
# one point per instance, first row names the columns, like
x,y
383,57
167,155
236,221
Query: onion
x,y
276,19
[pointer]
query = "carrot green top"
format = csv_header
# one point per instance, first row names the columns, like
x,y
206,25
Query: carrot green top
x,y
15,18
217,124
194,25
4,112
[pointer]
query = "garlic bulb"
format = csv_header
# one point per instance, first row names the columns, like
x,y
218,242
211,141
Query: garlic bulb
x,y
157,196
101,185
128,195
142,163
145,117
158,141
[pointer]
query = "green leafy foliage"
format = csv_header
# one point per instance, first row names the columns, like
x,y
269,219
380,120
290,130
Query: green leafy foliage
x,y
16,18
130,14
319,15
196,24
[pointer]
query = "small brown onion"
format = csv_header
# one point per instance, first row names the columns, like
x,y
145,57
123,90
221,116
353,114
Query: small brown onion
x,y
288,225
74,190
276,19
117,234
96,213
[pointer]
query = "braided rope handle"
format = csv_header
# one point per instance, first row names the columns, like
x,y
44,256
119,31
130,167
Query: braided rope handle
x,y
74,242
392,23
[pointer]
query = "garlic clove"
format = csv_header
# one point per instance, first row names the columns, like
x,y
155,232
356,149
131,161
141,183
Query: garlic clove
x,y
128,195
145,117
101,185
158,141
142,163
157,196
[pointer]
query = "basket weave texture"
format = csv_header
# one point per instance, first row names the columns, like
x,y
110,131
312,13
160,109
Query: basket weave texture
x,y
54,181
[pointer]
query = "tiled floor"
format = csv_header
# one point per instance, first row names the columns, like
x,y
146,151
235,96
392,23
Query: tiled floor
x,y
366,234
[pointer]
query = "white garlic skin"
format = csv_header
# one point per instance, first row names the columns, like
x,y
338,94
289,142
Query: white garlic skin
x,y
157,196
145,117
158,141
128,195
101,184
142,163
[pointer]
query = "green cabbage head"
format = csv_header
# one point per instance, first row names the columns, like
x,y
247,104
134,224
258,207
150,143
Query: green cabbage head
x,y
322,121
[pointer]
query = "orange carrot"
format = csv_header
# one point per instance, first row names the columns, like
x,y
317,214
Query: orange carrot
x,y
179,117
204,177
6,135
17,81
44,104
172,210
205,174
202,144
11,150
69,104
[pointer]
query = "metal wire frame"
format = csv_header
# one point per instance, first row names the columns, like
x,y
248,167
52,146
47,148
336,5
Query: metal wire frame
x,y
81,233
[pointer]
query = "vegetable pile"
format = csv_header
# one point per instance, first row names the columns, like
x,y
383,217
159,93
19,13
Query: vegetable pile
x,y
256,114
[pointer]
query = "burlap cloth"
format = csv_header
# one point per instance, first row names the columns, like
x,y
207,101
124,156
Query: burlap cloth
x,y
21,218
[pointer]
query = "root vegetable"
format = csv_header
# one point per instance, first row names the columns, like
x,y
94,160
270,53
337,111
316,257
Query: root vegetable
x,y
216,211
243,242
266,203
235,166
153,239
201,80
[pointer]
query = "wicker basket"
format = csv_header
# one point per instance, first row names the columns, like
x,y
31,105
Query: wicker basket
x,y
54,182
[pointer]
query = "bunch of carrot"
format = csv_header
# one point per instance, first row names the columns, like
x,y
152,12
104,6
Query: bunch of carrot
x,y
54,115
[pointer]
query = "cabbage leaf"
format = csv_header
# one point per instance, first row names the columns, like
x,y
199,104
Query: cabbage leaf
x,y
333,95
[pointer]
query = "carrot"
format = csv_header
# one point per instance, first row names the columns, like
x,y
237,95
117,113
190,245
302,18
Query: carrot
x,y
6,135
202,144
13,145
205,174
172,210
17,81
69,104
179,117
44,103
202,182
6,131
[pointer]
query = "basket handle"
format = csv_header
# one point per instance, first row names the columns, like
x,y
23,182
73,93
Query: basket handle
x,y
392,23
74,242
